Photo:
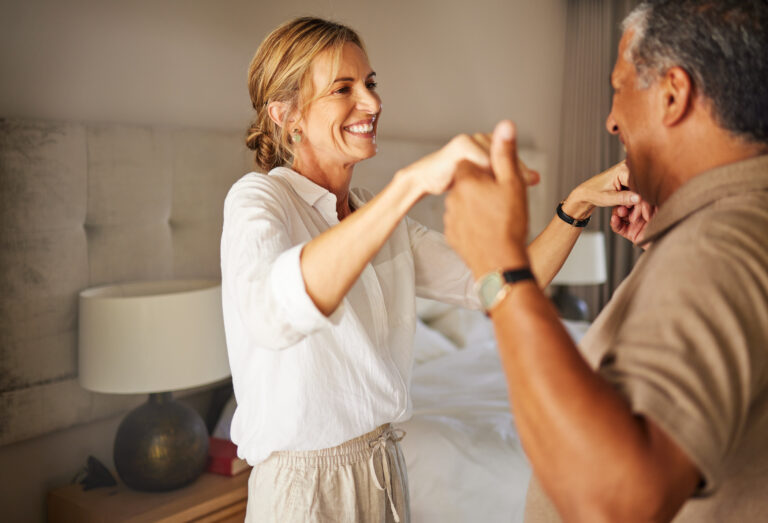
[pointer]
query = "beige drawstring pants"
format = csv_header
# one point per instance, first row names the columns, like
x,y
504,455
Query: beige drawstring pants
x,y
361,481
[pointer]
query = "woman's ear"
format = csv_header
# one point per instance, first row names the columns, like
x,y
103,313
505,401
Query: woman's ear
x,y
278,112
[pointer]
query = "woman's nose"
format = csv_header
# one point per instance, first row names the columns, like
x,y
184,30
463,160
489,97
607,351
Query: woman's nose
x,y
369,102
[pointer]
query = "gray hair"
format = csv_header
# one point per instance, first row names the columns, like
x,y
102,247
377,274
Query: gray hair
x,y
721,44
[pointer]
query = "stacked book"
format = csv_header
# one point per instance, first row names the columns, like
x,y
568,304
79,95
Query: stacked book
x,y
222,458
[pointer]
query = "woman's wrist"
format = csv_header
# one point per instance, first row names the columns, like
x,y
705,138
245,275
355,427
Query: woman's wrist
x,y
577,207
408,186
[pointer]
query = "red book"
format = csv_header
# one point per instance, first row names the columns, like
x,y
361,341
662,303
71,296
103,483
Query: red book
x,y
222,458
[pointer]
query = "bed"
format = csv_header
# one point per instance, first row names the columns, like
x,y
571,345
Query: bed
x,y
465,461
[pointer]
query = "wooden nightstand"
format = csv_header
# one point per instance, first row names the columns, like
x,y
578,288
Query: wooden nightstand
x,y
211,498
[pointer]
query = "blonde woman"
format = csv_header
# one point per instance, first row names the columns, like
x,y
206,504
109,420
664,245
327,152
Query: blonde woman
x,y
319,283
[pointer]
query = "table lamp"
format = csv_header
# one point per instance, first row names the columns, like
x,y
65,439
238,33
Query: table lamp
x,y
154,337
584,266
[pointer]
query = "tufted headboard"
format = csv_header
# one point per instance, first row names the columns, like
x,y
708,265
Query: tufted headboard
x,y
84,205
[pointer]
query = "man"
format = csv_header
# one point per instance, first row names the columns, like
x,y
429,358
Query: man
x,y
663,413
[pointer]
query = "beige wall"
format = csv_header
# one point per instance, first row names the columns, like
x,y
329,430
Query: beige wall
x,y
443,68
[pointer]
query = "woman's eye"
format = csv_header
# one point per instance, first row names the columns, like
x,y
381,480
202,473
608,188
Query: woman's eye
x,y
342,90
372,85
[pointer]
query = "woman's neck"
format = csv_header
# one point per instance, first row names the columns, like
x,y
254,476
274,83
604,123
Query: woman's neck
x,y
334,177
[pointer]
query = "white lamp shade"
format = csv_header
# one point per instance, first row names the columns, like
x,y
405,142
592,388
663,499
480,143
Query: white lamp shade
x,y
586,263
149,337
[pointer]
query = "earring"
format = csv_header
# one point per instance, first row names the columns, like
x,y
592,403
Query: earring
x,y
296,136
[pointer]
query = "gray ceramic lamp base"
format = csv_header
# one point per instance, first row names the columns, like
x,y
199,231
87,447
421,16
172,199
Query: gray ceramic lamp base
x,y
161,445
569,306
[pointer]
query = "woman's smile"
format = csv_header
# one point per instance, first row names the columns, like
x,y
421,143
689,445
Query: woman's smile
x,y
362,129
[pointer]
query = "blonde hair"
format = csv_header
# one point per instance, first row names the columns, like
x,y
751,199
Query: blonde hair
x,y
280,72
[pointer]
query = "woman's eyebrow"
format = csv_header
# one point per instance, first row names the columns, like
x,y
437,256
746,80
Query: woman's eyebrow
x,y
350,79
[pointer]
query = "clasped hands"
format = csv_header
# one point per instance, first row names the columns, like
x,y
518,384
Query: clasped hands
x,y
486,217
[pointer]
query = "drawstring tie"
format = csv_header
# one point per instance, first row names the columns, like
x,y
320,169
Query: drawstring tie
x,y
380,445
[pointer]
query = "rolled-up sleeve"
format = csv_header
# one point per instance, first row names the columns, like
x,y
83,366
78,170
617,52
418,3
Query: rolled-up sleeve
x,y
261,270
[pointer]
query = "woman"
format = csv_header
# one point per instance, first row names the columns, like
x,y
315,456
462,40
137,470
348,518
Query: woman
x,y
318,283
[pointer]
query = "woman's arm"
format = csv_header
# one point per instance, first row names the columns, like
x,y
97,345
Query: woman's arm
x,y
332,262
552,246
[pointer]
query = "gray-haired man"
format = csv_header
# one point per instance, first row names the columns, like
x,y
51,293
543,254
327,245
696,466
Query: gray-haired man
x,y
663,412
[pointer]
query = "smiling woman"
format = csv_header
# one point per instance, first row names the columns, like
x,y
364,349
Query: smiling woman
x,y
318,284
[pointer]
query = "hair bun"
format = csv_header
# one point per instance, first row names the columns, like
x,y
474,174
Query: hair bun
x,y
264,145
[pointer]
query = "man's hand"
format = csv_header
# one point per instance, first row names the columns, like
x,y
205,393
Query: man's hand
x,y
486,217
630,221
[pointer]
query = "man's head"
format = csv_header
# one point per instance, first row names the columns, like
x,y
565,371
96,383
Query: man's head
x,y
685,65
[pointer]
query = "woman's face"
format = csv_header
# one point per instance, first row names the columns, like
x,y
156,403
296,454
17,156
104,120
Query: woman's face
x,y
339,126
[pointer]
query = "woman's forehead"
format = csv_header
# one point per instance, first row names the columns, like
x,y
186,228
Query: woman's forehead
x,y
352,63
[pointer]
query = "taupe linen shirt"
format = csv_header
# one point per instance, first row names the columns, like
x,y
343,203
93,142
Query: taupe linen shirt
x,y
685,340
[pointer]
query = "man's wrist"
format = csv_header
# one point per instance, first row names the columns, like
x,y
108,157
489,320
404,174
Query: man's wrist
x,y
506,256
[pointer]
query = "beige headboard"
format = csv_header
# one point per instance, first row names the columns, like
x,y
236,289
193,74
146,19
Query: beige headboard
x,y
83,205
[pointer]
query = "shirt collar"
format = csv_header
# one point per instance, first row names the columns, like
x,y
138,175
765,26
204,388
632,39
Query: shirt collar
x,y
309,191
705,189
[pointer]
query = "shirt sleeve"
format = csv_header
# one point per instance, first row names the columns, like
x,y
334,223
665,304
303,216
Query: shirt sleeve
x,y
689,353
440,273
261,269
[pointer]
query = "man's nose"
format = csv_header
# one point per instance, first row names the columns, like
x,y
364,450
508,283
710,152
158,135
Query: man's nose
x,y
611,124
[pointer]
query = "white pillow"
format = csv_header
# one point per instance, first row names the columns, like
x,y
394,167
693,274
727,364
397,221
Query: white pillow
x,y
429,310
465,327
225,419
429,344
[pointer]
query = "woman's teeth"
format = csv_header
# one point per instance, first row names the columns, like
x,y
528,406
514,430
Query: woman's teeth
x,y
361,128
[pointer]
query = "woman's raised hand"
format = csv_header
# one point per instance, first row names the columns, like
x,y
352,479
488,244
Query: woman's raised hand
x,y
434,173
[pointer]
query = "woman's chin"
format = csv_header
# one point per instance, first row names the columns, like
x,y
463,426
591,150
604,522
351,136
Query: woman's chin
x,y
367,152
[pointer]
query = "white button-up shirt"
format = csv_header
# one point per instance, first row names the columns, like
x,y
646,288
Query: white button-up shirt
x,y
304,381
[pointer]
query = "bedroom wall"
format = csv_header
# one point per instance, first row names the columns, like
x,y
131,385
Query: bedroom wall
x,y
443,68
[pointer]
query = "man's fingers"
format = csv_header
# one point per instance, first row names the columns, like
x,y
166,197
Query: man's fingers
x,y
504,152
616,224
531,177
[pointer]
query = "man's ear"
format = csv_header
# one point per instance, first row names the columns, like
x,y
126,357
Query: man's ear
x,y
280,113
677,89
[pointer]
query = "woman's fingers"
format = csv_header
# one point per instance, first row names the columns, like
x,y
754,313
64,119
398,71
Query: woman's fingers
x,y
475,149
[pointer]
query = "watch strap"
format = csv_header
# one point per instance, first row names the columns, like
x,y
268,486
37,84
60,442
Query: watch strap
x,y
516,275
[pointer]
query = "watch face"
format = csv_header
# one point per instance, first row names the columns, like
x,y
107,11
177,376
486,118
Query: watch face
x,y
488,288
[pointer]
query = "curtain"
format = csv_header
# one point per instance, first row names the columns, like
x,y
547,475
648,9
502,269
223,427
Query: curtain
x,y
586,148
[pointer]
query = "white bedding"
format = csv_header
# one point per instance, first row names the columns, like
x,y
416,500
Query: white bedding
x,y
465,461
